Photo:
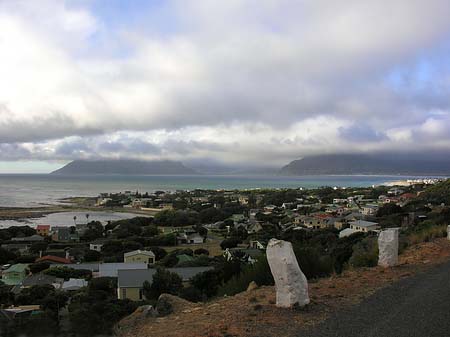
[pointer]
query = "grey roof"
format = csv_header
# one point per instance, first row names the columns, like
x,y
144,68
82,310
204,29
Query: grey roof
x,y
111,269
137,252
362,223
29,238
40,279
134,278
93,267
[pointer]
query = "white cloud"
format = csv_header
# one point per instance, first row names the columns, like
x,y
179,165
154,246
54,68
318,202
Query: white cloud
x,y
237,80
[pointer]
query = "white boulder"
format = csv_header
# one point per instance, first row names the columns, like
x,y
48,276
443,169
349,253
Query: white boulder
x,y
290,282
448,232
388,247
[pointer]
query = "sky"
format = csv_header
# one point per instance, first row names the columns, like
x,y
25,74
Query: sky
x,y
236,82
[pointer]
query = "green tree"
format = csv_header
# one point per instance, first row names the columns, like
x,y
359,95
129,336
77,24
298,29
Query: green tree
x,y
165,281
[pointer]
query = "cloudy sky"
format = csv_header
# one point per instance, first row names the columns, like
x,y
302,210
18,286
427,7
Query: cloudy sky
x,y
241,82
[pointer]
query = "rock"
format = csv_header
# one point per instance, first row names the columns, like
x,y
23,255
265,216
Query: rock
x,y
388,248
448,232
168,304
290,282
252,286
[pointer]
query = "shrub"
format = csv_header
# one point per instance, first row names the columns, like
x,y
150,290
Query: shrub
x,y
201,251
229,243
365,253
259,272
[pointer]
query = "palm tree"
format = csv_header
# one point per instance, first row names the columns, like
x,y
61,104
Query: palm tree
x,y
75,219
87,217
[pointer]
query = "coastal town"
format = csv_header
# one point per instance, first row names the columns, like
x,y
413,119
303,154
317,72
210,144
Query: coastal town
x,y
198,245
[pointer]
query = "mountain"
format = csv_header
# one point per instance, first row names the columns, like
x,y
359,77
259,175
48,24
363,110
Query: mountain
x,y
124,166
367,164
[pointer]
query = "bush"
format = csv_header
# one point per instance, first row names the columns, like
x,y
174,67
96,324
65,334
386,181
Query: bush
x,y
164,281
38,267
365,253
259,272
201,251
229,243
191,294
66,273
312,263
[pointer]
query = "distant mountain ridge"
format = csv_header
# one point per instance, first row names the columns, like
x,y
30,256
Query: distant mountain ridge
x,y
125,167
347,164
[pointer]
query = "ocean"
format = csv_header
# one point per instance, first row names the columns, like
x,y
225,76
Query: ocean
x,y
34,190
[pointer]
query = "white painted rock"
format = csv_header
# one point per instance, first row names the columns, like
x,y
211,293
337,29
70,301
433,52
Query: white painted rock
x,y
290,283
448,232
388,247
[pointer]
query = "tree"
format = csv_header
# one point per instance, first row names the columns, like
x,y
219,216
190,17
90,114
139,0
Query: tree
x,y
75,220
207,282
6,256
147,289
92,255
229,243
38,267
165,281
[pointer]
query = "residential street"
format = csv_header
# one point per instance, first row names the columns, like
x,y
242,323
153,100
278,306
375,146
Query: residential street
x,y
414,307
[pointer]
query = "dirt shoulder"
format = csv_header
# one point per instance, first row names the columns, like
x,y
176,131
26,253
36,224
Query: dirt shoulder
x,y
253,313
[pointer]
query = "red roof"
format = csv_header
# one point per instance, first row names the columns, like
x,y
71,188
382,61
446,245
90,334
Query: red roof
x,y
408,195
53,258
44,227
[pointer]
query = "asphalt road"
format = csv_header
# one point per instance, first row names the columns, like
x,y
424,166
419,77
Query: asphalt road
x,y
418,306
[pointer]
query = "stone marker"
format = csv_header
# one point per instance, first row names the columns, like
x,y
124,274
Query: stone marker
x,y
290,283
448,232
388,247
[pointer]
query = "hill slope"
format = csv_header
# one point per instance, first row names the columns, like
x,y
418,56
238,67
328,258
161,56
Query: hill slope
x,y
128,167
365,164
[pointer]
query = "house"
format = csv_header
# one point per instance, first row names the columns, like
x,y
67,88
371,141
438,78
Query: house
x,y
130,282
316,222
243,199
15,274
32,238
43,230
96,246
22,248
60,233
74,284
145,256
54,259
39,279
254,228
347,232
369,209
364,226
111,269
195,238
257,245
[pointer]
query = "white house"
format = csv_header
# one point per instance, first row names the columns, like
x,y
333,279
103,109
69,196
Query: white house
x,y
96,246
364,226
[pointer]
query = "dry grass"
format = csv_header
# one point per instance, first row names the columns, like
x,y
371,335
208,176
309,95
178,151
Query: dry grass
x,y
251,314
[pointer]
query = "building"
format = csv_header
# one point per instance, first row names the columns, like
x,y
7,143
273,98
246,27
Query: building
x,y
111,269
15,274
369,210
96,246
39,279
43,230
60,233
145,256
364,226
32,238
54,259
130,282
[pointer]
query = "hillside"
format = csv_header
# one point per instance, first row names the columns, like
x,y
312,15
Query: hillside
x,y
254,314
437,194
365,164
127,167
